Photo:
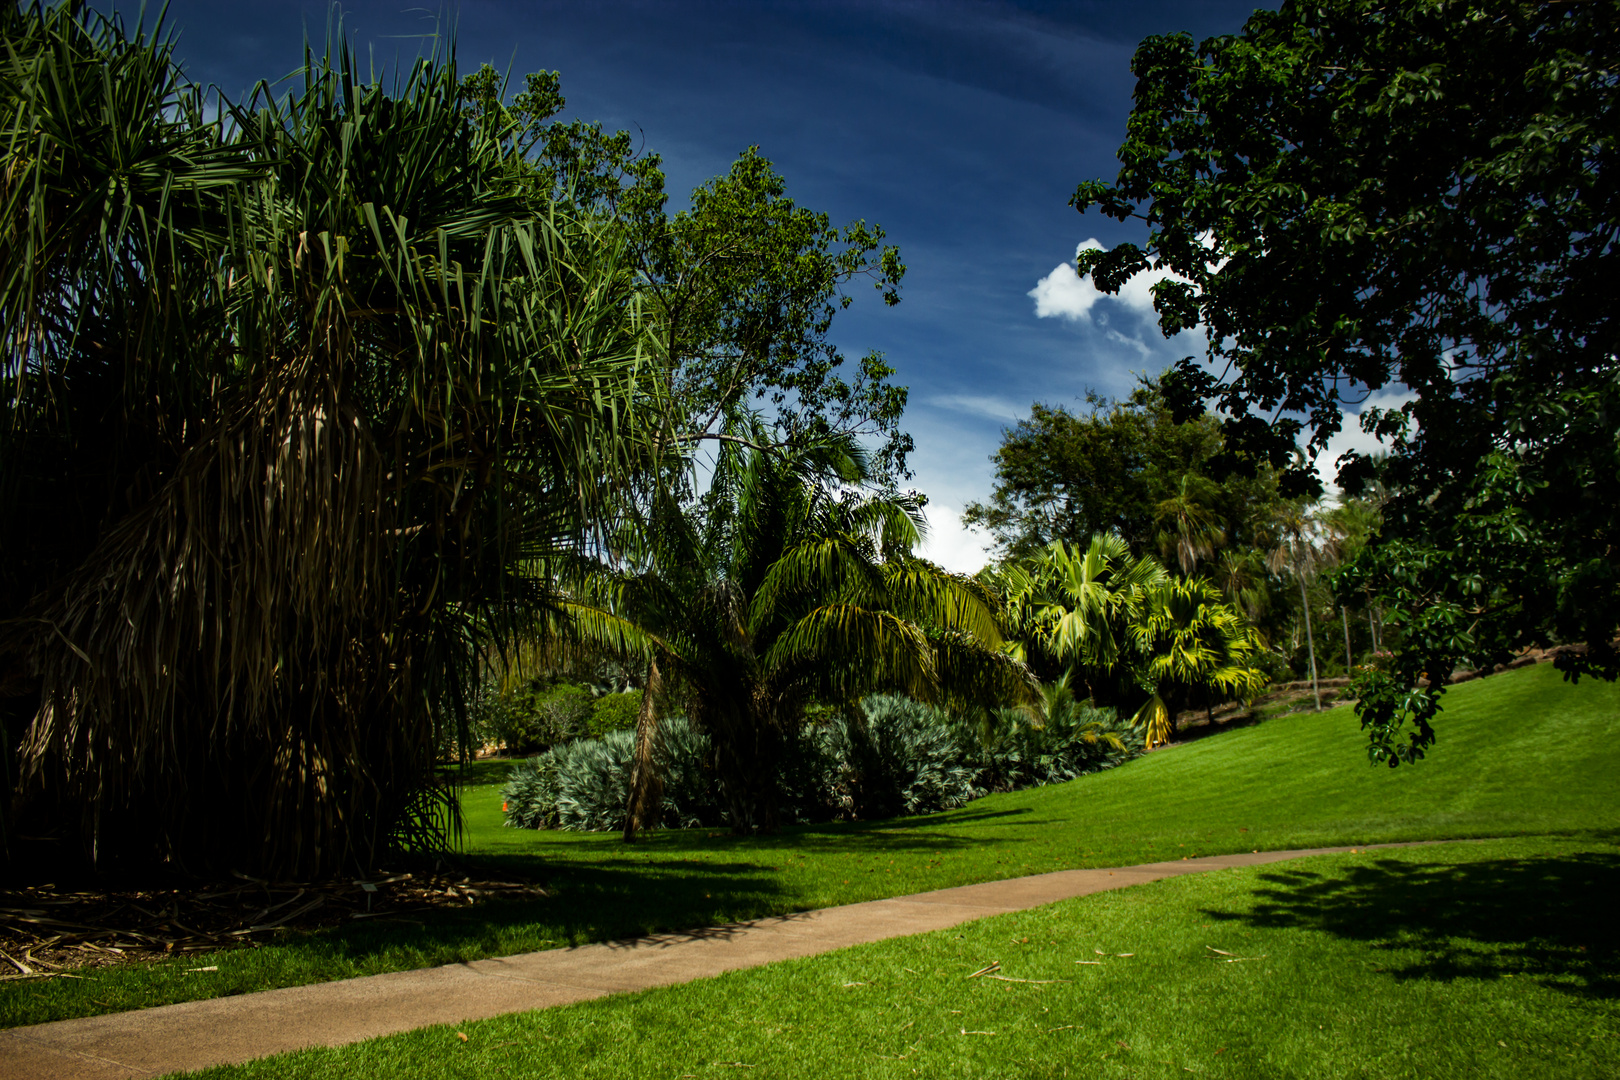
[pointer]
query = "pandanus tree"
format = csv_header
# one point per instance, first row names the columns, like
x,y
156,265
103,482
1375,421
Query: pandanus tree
x,y
787,583
302,398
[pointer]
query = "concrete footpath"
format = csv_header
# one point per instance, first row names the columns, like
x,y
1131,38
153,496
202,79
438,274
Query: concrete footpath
x,y
195,1034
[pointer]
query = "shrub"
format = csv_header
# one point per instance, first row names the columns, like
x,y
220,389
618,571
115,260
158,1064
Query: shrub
x,y
581,785
1010,749
691,796
541,716
593,782
530,794
903,759
806,781
584,785
614,712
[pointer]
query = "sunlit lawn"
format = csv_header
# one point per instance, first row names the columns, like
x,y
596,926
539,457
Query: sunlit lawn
x,y
1520,754
1495,959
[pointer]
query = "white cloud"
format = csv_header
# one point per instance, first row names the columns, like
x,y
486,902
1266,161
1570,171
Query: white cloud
x,y
1065,294
1130,342
1350,435
990,407
951,544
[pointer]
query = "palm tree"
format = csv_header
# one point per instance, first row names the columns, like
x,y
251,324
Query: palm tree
x,y
1299,552
1241,578
1069,608
1188,529
1192,641
1351,525
1106,614
301,401
785,585
1013,747
1061,717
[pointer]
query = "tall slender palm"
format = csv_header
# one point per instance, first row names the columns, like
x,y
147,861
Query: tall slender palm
x,y
1299,552
297,401
1350,526
1241,578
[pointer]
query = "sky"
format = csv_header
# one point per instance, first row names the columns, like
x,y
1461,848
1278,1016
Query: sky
x,y
961,128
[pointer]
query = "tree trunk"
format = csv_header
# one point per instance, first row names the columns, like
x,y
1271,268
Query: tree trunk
x,y
1310,640
646,785
1349,660
1372,628
744,734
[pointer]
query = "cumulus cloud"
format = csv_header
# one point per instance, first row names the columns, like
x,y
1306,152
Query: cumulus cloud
x,y
952,544
1065,294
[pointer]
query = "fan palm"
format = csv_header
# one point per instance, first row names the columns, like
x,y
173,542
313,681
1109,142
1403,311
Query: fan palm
x,y
1111,617
1071,607
301,398
1192,640
1062,718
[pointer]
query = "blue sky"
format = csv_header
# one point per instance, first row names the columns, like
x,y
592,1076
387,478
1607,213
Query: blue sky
x,y
961,128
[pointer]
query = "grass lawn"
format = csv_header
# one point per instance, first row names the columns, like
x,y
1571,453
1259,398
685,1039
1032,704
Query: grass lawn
x,y
1495,959
1520,754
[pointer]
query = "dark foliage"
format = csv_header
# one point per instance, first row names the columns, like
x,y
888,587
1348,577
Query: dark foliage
x,y
1423,196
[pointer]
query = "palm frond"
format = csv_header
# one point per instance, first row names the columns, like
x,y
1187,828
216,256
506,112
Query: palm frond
x,y
353,409
873,649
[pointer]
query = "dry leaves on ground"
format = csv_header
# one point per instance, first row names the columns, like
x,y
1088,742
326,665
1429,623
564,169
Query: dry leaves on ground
x,y
46,932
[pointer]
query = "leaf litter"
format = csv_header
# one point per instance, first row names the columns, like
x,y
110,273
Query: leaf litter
x,y
46,932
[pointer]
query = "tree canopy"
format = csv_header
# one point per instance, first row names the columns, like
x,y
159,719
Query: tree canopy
x,y
1355,196
744,285
314,402
1130,468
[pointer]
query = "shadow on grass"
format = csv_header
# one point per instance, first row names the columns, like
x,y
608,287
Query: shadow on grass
x,y
885,836
1546,918
669,881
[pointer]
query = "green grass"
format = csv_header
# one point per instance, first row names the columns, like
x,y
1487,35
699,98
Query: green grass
x,y
1494,959
1520,754
481,772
